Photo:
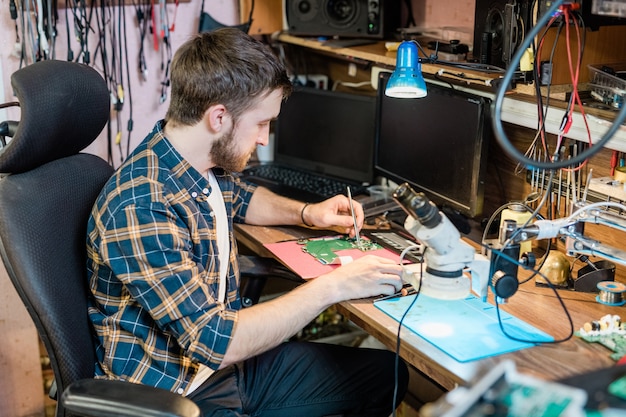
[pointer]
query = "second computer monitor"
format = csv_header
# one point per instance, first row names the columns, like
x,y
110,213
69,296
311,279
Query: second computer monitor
x,y
437,144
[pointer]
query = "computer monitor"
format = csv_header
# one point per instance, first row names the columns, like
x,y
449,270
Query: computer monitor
x,y
438,144
328,132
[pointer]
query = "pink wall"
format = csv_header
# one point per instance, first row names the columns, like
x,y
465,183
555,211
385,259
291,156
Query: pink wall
x,y
146,94
454,18
459,13
21,386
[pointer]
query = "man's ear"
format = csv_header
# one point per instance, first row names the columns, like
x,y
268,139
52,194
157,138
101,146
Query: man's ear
x,y
217,118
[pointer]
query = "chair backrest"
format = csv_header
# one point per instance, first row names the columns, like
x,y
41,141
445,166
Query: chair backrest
x,y
45,200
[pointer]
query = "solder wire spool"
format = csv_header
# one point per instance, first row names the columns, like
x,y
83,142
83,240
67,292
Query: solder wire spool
x,y
620,174
611,293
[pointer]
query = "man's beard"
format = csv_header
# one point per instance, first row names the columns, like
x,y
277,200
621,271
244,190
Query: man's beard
x,y
224,154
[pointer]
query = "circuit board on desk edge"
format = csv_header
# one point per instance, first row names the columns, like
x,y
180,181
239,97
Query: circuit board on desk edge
x,y
395,242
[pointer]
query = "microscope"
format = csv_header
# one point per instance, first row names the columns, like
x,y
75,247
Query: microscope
x,y
448,258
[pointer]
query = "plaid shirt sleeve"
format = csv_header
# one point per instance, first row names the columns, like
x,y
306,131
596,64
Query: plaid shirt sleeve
x,y
242,192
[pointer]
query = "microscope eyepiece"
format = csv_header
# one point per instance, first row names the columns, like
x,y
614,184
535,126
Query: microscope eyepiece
x,y
417,205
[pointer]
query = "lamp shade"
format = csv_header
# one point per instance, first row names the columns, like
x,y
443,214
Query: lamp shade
x,y
407,80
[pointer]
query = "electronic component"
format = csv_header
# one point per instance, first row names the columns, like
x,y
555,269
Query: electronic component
x,y
324,249
609,331
396,243
504,392
614,8
371,19
452,47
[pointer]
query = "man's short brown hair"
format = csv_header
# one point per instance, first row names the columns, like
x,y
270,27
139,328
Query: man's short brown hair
x,y
225,66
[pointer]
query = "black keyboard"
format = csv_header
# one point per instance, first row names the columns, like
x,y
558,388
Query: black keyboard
x,y
324,187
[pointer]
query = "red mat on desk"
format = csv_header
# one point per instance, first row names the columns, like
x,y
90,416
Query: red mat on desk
x,y
306,266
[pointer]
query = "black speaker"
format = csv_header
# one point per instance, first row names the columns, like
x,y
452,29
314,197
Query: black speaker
x,y
499,29
343,18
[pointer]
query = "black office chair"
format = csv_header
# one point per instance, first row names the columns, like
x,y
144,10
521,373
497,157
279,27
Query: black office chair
x,y
45,200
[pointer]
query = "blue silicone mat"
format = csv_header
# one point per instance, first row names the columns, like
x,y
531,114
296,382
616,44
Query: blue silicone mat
x,y
465,329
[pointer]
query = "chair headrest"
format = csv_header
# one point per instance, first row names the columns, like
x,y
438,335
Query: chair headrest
x,y
64,107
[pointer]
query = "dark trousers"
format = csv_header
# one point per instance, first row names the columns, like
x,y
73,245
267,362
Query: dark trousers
x,y
306,379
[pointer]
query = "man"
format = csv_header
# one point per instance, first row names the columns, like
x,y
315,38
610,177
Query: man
x,y
162,258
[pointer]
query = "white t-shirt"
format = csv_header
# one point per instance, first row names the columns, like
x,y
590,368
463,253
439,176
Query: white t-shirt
x,y
216,201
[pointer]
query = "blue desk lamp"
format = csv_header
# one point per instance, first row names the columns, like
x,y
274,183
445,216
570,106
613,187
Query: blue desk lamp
x,y
407,80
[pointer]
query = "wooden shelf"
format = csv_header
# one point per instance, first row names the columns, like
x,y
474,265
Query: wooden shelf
x,y
519,106
521,110
376,53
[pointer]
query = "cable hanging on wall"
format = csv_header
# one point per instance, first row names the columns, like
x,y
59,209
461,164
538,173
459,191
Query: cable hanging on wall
x,y
96,34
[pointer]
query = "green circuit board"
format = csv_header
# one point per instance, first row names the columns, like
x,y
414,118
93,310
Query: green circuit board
x,y
324,249
609,331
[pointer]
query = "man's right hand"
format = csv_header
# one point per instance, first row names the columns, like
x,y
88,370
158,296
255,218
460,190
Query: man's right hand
x,y
368,276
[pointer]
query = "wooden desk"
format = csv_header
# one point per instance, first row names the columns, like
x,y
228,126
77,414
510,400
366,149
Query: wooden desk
x,y
535,305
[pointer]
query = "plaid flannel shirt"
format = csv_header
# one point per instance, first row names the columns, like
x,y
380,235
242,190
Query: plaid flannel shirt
x,y
153,269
